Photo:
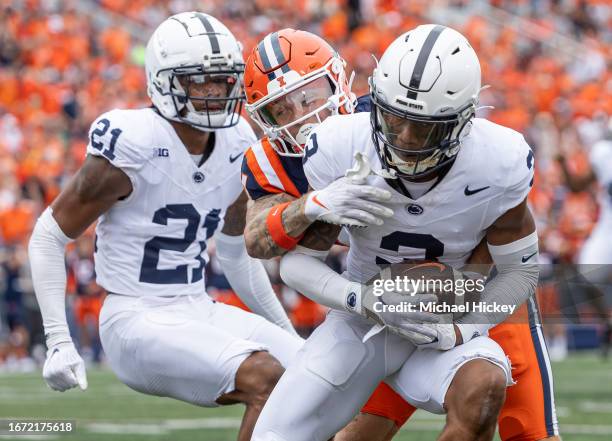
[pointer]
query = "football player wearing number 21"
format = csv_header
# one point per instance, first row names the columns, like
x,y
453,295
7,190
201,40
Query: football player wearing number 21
x,y
161,181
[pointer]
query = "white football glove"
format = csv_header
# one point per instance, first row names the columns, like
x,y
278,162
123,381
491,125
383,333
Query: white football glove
x,y
348,200
362,300
345,203
439,336
64,368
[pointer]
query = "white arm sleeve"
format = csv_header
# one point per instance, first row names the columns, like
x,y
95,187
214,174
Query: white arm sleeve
x,y
46,252
305,270
249,279
516,280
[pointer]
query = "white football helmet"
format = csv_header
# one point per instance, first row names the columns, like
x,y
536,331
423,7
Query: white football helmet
x,y
195,48
424,94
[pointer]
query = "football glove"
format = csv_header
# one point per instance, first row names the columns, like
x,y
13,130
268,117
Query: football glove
x,y
345,203
430,335
362,300
64,368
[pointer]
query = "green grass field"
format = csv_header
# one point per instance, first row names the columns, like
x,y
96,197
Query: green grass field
x,y
108,410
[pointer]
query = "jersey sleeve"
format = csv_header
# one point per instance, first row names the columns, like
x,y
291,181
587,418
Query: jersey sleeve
x,y
246,135
320,164
265,172
122,137
254,179
520,176
242,137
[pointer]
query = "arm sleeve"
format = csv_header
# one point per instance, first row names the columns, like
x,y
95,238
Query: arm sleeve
x,y
515,281
249,279
305,271
46,253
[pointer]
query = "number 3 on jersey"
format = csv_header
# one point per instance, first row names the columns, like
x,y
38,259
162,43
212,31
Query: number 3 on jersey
x,y
392,242
149,273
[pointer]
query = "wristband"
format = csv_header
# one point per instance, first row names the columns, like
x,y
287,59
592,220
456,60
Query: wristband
x,y
274,222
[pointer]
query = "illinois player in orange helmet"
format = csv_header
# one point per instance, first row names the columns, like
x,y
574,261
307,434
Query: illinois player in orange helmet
x,y
293,81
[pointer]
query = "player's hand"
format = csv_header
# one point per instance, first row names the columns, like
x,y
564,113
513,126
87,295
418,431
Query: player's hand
x,y
64,368
363,300
442,336
345,203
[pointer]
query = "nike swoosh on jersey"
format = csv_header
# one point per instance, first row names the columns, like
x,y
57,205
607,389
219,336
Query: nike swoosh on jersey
x,y
232,159
469,192
526,258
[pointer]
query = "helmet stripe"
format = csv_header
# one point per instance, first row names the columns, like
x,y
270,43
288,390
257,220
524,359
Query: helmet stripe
x,y
210,32
419,67
263,54
272,55
278,53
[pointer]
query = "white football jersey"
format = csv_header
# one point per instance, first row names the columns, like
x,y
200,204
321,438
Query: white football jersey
x,y
154,241
601,161
492,173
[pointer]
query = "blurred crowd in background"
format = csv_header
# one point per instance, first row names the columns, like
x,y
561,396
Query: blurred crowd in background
x,y
62,63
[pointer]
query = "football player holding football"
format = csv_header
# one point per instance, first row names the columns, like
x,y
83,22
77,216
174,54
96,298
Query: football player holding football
x,y
414,146
293,81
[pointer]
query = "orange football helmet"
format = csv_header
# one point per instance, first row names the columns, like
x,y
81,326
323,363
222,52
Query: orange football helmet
x,y
293,80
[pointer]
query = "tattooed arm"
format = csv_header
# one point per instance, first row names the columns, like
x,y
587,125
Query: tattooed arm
x,y
319,235
258,240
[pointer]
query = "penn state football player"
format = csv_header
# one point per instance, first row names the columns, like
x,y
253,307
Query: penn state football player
x,y
455,180
161,181
294,80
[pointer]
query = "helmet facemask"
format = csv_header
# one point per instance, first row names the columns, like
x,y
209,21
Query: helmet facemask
x,y
416,146
293,115
206,99
313,98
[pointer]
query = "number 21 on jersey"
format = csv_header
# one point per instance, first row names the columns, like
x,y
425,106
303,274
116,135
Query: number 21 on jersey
x,y
149,273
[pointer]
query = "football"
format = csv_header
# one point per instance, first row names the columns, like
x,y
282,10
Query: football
x,y
449,285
